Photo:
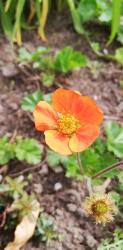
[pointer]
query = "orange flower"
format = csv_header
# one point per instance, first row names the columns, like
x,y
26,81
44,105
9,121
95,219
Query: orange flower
x,y
71,123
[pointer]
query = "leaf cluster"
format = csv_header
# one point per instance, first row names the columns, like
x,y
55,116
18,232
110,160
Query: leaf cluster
x,y
113,244
26,149
64,61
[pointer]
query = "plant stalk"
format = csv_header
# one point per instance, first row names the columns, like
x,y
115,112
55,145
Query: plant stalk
x,y
79,163
104,171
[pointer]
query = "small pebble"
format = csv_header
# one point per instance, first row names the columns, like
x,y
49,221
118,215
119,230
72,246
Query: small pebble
x,y
71,207
57,186
44,170
38,188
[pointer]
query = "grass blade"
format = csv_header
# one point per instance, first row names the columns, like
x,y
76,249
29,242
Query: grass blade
x,y
116,9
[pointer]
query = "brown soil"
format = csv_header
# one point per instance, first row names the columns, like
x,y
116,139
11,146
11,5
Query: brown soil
x,y
63,206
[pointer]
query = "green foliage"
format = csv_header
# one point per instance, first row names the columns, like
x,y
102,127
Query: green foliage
x,y
114,138
87,9
121,83
36,58
116,197
29,102
25,204
6,150
64,61
26,149
55,159
68,59
113,244
47,79
119,55
94,159
104,11
116,9
13,187
15,15
46,229
14,194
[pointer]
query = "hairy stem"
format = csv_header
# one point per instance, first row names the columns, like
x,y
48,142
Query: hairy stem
x,y
104,171
79,163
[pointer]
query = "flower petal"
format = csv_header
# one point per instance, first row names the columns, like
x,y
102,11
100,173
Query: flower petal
x,y
82,107
62,100
58,142
87,110
44,116
83,138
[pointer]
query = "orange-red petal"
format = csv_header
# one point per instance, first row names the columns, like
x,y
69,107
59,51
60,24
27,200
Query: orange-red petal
x,y
87,110
83,138
62,100
82,107
45,117
57,142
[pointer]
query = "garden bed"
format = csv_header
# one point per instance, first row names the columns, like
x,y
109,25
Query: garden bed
x,y
63,206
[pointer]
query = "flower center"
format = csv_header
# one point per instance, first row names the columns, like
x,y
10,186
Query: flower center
x,y
99,208
68,124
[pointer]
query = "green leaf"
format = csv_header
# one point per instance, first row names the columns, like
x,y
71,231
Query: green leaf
x,y
87,9
6,21
93,160
116,9
55,159
114,138
24,55
72,168
28,150
29,102
36,58
68,59
104,11
120,35
119,55
6,150
115,196
77,20
48,79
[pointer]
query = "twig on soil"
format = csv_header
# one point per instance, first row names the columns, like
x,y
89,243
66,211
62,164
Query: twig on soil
x,y
113,118
30,116
104,171
3,169
6,211
13,136
28,169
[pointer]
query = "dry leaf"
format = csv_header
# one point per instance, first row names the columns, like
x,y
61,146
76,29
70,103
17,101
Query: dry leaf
x,y
25,230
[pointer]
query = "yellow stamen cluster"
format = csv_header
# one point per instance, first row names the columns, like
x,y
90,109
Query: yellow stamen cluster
x,y
68,124
101,207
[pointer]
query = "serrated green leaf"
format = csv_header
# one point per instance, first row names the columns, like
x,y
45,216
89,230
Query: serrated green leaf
x,y
28,150
29,102
68,59
114,138
6,151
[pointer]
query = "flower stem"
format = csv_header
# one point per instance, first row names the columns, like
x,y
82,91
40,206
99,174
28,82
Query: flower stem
x,y
116,165
79,163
